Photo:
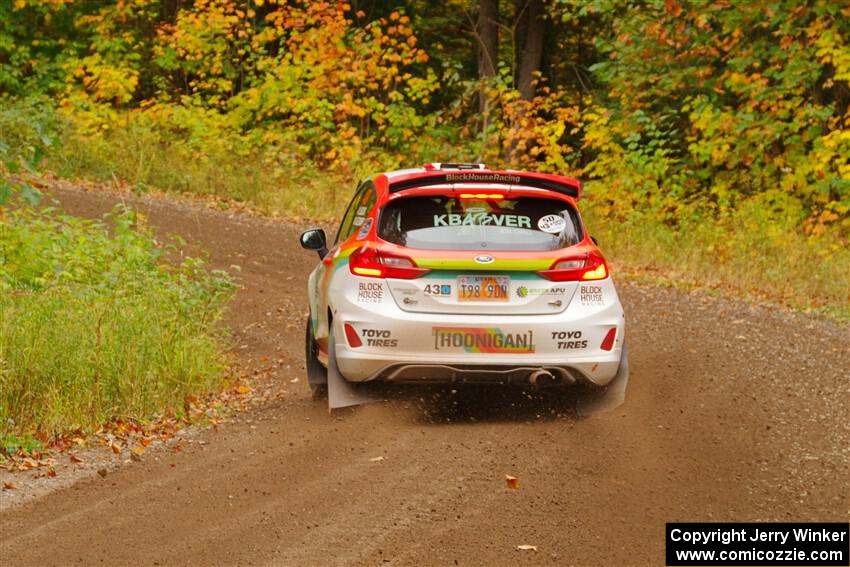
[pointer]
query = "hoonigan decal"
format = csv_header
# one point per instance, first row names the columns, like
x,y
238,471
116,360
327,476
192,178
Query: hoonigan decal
x,y
483,340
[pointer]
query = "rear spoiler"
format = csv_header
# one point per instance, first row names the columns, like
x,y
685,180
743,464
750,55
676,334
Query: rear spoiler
x,y
558,184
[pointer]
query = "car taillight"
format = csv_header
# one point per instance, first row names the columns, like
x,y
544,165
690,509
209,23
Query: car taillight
x,y
351,336
580,268
371,263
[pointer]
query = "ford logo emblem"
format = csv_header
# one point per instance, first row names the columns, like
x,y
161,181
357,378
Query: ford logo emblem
x,y
484,259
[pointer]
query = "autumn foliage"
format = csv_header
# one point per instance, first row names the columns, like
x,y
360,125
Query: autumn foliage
x,y
713,135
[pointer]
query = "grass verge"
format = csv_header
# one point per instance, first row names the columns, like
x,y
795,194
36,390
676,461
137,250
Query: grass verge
x,y
94,326
742,256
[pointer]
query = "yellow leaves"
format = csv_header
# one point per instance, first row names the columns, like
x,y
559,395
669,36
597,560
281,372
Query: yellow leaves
x,y
720,152
105,82
832,50
736,78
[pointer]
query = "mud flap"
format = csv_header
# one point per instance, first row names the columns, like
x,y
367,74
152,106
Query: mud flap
x,y
341,392
608,398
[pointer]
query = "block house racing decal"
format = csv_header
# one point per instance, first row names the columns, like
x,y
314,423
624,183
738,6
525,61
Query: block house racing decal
x,y
484,177
483,340
370,292
591,295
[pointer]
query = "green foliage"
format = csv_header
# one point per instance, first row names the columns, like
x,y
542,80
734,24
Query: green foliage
x,y
94,325
729,104
25,139
727,120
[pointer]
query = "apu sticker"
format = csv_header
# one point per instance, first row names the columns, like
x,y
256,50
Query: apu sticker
x,y
551,224
364,230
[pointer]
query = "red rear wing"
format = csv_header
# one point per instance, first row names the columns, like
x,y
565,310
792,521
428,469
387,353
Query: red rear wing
x,y
557,183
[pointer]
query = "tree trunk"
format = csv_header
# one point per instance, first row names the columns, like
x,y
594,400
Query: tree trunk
x,y
488,38
487,33
530,48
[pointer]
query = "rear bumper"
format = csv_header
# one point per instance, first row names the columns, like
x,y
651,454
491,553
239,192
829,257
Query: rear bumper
x,y
401,346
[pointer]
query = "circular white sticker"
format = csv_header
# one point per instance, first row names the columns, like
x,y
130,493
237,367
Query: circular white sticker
x,y
551,224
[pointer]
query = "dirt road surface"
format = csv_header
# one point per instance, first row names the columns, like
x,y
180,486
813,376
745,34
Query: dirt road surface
x,y
734,413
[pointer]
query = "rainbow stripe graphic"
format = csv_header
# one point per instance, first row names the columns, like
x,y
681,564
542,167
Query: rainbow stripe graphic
x,y
483,340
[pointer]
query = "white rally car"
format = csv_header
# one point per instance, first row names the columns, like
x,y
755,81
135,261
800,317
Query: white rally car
x,y
456,273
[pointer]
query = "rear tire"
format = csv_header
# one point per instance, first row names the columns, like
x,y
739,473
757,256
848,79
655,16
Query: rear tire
x,y
318,392
317,374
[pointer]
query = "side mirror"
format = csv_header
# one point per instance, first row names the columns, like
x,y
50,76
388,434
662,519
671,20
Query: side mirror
x,y
314,239
593,238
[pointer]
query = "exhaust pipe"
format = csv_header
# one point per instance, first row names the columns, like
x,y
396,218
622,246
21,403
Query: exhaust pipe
x,y
541,378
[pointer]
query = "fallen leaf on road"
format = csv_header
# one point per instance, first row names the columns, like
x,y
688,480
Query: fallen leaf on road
x,y
243,390
116,448
74,458
51,472
102,472
512,481
8,485
138,450
526,547
145,441
376,459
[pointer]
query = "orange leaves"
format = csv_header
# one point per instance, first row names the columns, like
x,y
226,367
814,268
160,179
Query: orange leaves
x,y
340,84
323,80
672,8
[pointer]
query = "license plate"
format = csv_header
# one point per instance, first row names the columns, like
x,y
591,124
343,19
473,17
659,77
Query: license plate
x,y
483,288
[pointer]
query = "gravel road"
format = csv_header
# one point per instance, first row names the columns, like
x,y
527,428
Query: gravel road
x,y
734,412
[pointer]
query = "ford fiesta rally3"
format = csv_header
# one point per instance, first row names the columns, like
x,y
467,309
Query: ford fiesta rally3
x,y
456,273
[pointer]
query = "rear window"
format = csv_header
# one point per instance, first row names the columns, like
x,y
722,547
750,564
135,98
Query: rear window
x,y
449,223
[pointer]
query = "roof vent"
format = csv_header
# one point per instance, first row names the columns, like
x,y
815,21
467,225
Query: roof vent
x,y
461,166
